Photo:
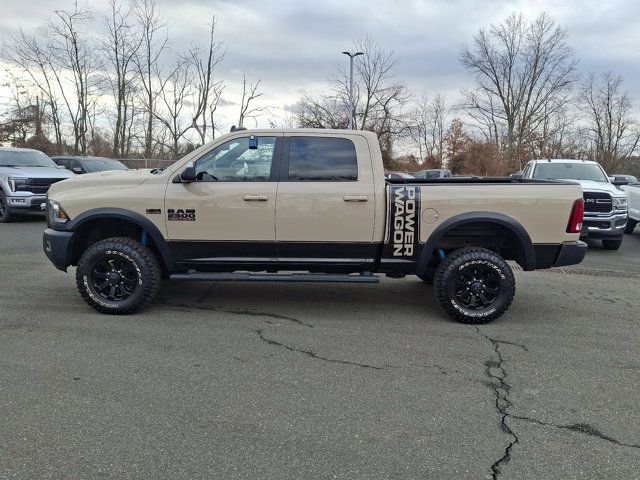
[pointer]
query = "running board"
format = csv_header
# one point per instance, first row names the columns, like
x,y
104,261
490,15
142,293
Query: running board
x,y
275,277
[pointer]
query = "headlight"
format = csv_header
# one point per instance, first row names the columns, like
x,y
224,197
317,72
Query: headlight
x,y
14,183
55,213
620,203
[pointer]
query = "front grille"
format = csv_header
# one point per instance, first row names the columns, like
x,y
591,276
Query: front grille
x,y
596,202
38,185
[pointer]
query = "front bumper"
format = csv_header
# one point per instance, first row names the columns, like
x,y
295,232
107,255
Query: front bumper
x,y
31,202
57,247
611,226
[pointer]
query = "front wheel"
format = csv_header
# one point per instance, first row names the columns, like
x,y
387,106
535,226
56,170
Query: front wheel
x,y
118,276
612,244
5,214
631,225
474,285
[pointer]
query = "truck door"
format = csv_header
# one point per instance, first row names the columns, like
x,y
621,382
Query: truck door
x,y
325,203
227,216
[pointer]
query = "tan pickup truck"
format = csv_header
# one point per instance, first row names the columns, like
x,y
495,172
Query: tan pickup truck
x,y
306,205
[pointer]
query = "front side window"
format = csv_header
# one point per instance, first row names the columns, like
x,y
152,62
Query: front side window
x,y
245,159
322,159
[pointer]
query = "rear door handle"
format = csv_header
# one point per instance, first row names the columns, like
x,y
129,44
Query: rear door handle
x,y
355,198
255,198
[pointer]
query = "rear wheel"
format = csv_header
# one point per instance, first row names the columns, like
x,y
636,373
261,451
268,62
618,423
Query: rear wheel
x,y
5,214
631,225
474,285
118,276
612,244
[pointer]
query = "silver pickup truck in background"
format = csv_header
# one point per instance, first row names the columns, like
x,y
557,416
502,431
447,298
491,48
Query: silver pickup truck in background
x,y
605,206
25,178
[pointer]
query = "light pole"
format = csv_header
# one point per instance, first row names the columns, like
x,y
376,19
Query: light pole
x,y
351,56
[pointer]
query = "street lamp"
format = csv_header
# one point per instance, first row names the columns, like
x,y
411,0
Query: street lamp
x,y
351,56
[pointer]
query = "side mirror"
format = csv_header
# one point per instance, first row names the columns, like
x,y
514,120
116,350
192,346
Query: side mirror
x,y
76,170
516,176
619,181
188,175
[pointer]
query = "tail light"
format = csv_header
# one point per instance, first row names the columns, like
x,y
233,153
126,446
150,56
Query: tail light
x,y
577,213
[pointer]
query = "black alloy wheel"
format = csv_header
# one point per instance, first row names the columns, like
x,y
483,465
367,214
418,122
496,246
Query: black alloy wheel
x,y
474,285
114,278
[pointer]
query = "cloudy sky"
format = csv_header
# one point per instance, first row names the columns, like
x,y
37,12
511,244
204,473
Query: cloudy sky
x,y
292,45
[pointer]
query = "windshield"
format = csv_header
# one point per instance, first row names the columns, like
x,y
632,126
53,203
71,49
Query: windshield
x,y
104,164
25,158
569,171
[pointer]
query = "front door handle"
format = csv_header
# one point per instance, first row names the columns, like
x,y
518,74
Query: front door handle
x,y
356,198
255,198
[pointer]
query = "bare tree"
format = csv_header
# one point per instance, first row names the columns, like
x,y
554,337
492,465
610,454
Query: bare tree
x,y
154,42
33,58
73,53
379,96
523,73
249,94
207,90
611,132
175,90
120,47
427,130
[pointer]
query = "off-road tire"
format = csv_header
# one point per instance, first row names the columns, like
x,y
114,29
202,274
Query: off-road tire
x,y
631,225
5,213
612,244
457,266
144,262
427,277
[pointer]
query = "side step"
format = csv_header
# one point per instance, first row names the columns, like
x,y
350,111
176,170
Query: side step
x,y
275,277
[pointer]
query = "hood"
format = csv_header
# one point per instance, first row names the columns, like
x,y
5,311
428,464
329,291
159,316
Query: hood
x,y
35,172
110,179
591,186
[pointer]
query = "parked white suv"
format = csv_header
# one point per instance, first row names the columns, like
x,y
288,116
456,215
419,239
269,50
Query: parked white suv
x,y
605,206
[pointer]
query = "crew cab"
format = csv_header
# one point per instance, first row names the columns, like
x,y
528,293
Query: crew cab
x,y
25,178
306,205
605,209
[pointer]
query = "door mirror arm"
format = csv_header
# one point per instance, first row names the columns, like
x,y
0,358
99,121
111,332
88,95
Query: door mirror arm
x,y
188,175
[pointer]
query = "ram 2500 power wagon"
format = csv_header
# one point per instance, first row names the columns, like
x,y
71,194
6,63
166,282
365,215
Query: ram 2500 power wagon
x,y
306,205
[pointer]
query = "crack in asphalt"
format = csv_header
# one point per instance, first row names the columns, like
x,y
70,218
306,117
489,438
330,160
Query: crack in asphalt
x,y
311,354
583,428
252,313
502,389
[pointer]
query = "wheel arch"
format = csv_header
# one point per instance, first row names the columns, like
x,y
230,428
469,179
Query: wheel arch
x,y
94,217
526,256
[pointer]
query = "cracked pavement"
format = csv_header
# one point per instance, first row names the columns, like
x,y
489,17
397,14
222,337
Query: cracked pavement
x,y
318,381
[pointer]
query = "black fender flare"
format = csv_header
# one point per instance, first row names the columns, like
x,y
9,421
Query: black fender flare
x,y
500,219
133,217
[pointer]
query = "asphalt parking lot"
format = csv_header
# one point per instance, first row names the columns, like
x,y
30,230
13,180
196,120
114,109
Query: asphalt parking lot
x,y
319,381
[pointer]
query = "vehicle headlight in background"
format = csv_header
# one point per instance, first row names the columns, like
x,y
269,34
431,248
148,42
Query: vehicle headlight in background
x,y
55,213
620,203
15,182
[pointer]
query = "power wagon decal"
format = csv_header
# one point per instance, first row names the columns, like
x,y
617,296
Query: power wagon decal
x,y
403,220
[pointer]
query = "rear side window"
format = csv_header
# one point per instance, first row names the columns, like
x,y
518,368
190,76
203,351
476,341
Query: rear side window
x,y
322,159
